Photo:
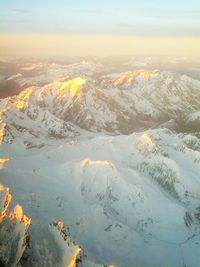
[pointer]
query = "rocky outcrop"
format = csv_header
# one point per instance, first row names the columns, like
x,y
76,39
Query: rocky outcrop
x,y
57,250
128,102
17,248
13,230
21,118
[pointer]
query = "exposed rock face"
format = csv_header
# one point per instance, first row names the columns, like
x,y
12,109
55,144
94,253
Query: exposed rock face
x,y
57,250
112,182
125,103
13,230
5,199
129,101
33,122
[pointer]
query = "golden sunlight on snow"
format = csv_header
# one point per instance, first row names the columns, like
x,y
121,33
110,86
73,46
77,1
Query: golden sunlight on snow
x,y
21,104
17,214
7,202
129,76
86,162
1,135
25,94
2,161
73,86
147,139
22,97
145,73
74,257
1,187
2,128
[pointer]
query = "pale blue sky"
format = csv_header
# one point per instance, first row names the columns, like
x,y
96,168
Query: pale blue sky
x,y
141,17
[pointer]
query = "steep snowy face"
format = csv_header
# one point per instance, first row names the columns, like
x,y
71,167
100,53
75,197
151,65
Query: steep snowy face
x,y
41,73
18,248
57,249
101,185
13,230
119,103
19,117
118,194
168,93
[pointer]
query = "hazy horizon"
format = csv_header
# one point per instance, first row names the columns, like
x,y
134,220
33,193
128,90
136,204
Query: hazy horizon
x,y
106,28
43,45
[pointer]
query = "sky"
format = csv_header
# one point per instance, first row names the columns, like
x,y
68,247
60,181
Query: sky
x,y
95,27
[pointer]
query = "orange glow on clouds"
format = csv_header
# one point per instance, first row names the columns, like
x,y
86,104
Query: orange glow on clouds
x,y
50,45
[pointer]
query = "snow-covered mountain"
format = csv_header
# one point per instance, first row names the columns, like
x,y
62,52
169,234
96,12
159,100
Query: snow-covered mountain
x,y
18,249
117,103
114,157
13,230
119,195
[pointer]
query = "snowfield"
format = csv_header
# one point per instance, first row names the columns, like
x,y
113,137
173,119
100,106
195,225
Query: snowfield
x,y
119,195
128,200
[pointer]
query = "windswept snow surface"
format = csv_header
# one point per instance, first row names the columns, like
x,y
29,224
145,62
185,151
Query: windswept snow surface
x,y
127,199
81,151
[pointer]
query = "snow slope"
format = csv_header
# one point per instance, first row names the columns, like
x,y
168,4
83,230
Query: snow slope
x,y
127,200
121,103
119,195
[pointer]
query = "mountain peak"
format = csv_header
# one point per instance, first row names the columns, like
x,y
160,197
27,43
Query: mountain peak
x,y
74,86
127,78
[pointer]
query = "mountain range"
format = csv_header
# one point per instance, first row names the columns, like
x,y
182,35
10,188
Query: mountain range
x,y
105,165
